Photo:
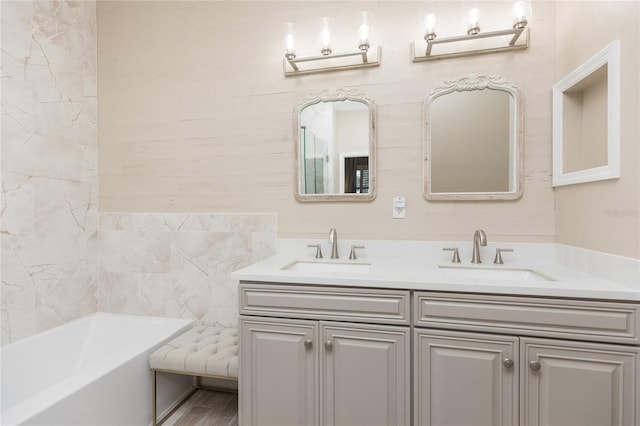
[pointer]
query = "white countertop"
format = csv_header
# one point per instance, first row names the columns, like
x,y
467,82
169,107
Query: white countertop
x,y
417,266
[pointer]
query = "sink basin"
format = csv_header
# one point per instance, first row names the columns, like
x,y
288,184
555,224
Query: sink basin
x,y
492,273
319,267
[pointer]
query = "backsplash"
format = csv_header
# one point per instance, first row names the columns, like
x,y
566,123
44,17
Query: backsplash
x,y
611,267
178,264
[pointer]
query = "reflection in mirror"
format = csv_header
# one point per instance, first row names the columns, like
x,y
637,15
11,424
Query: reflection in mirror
x,y
473,140
335,147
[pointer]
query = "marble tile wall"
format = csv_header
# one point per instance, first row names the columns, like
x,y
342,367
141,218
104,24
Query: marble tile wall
x,y
178,264
56,265
49,164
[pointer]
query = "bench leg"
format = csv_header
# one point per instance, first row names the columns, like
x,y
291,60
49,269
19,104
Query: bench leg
x,y
153,391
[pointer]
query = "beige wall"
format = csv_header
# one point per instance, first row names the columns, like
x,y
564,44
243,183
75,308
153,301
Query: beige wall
x,y
196,115
603,215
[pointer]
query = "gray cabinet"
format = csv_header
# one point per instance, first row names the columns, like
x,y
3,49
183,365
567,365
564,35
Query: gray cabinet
x,y
568,374
568,383
278,380
365,375
322,355
297,371
465,379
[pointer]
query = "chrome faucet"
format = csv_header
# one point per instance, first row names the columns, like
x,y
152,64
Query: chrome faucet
x,y
479,239
333,240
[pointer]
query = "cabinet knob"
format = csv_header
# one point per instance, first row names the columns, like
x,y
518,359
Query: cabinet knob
x,y
534,366
308,344
329,345
507,362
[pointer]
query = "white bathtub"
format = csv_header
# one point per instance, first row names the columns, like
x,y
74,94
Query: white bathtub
x,y
92,371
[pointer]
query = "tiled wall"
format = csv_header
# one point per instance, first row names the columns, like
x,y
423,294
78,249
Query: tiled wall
x,y
178,264
49,164
56,265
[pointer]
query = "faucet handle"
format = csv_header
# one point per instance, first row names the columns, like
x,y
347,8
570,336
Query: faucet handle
x,y
456,256
318,250
352,255
499,251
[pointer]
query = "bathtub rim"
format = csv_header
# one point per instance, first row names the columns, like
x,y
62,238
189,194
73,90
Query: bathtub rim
x,y
50,396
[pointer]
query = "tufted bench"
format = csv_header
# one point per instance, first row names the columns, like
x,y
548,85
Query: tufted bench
x,y
203,351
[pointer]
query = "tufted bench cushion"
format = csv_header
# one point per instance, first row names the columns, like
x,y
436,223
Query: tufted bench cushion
x,y
201,351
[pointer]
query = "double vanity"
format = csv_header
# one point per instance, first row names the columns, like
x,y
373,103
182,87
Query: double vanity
x,y
430,333
402,335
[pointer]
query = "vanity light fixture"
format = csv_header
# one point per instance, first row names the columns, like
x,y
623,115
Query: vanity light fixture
x,y
363,57
505,40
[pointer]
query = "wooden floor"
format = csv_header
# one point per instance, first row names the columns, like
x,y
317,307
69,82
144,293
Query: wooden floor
x,y
207,408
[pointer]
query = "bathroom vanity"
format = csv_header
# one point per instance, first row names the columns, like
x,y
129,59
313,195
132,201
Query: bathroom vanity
x,y
360,347
338,355
490,359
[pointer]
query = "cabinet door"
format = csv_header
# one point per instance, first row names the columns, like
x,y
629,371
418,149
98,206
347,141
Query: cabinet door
x,y
582,384
278,374
465,379
365,375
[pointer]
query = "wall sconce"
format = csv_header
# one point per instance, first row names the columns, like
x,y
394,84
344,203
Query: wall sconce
x,y
328,60
505,40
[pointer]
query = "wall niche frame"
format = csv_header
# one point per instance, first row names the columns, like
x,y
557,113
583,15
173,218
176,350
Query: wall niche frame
x,y
603,67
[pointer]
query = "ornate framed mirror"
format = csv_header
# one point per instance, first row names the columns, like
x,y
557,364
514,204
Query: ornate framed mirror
x,y
334,137
473,140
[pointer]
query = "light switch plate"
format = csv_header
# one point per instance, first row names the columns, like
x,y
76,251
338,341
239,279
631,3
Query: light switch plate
x,y
399,207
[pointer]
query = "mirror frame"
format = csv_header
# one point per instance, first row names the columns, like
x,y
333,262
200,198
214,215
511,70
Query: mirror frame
x,y
335,95
470,83
609,56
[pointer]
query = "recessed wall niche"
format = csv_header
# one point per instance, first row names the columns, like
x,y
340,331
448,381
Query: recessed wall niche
x,y
586,120
585,123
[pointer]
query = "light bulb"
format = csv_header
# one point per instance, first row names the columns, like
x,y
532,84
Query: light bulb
x,y
430,27
365,30
519,12
325,25
289,40
473,21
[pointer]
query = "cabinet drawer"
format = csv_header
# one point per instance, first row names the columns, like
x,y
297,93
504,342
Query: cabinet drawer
x,y
334,303
575,319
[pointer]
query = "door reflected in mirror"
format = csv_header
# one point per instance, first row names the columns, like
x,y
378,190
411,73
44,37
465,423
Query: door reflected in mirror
x,y
473,140
335,147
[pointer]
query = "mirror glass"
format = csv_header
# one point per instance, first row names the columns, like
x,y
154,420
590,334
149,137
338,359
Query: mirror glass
x,y
473,140
586,120
335,147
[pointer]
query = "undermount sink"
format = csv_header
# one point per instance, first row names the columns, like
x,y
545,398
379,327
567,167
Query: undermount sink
x,y
492,273
318,267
